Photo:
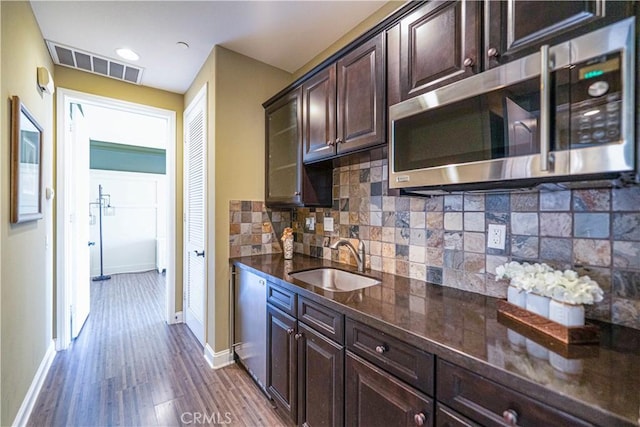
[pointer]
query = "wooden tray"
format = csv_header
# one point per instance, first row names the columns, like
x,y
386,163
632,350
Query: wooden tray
x,y
536,324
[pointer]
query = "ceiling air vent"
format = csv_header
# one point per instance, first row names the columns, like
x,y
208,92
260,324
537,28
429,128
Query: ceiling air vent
x,y
85,61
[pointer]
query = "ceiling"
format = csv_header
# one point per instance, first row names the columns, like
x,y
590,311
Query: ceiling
x,y
285,34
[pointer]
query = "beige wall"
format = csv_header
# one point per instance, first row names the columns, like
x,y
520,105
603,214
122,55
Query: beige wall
x,y
350,36
103,86
242,85
237,87
26,272
1,174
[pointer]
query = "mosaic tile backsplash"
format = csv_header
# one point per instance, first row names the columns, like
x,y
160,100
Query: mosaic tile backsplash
x,y
442,239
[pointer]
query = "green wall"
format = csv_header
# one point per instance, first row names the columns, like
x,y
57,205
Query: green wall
x,y
127,158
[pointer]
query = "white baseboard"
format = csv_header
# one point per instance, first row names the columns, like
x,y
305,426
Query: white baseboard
x,y
218,360
126,268
34,389
177,317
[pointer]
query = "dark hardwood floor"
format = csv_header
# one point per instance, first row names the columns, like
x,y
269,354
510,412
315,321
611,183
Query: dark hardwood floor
x,y
129,368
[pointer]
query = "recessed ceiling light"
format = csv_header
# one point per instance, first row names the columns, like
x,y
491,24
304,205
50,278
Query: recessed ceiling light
x,y
183,45
127,54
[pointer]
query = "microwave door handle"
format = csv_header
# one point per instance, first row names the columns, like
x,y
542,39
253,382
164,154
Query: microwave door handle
x,y
545,107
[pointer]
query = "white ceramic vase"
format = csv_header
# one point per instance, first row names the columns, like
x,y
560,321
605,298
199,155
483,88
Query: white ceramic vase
x,y
566,314
517,296
538,304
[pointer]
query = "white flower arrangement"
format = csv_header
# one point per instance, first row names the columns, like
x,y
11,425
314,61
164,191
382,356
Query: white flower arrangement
x,y
563,286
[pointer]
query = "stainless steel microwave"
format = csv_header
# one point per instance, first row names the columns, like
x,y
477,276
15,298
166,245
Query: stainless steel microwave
x,y
563,113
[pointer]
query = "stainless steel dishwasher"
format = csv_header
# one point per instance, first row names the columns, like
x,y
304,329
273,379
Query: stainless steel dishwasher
x,y
250,328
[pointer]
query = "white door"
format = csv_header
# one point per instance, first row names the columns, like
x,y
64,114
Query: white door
x,y
195,175
79,220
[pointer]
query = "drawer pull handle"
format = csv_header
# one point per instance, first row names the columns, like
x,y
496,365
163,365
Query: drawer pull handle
x,y
290,331
298,336
510,417
382,349
419,419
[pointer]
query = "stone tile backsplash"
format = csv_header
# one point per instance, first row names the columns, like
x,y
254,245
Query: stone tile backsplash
x,y
253,230
442,239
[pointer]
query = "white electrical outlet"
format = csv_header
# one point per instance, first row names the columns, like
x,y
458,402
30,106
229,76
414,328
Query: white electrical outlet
x,y
496,236
328,223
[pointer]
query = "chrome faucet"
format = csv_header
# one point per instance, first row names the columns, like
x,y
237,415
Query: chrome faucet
x,y
359,255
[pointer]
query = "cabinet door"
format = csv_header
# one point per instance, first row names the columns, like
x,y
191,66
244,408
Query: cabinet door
x,y
284,142
282,381
361,97
375,398
446,417
321,379
319,115
518,27
438,44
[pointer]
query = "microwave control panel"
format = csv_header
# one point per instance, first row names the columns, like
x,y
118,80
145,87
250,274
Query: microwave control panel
x,y
596,101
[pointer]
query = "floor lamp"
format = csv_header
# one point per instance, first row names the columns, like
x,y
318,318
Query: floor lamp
x,y
104,203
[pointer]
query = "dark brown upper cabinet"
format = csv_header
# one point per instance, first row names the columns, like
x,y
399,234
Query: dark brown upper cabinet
x,y
283,121
434,45
288,182
319,115
344,105
516,28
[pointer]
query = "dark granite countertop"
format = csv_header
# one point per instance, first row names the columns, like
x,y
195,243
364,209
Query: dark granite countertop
x,y
598,383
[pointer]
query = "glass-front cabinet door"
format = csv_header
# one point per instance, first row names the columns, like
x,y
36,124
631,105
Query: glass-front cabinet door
x,y
283,122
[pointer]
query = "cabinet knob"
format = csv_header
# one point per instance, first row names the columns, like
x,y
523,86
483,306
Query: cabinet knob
x,y
339,141
381,349
468,62
419,419
492,52
290,331
297,193
329,143
510,417
298,336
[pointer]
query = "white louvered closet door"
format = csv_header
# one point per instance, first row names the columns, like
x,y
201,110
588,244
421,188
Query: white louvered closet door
x,y
195,177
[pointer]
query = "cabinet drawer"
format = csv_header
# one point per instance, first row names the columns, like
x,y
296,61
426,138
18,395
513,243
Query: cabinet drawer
x,y
322,319
486,402
281,298
406,362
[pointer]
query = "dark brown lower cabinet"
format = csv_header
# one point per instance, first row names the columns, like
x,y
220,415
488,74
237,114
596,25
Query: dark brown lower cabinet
x,y
375,398
282,368
491,404
446,417
321,379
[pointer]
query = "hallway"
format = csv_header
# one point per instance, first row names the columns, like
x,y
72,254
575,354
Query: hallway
x,y
128,367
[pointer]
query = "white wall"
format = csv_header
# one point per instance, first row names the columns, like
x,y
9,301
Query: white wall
x,y
140,219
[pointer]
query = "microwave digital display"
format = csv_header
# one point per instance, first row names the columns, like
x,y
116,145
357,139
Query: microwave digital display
x,y
596,70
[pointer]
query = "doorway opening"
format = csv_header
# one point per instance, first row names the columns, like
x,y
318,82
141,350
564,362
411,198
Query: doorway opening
x,y
136,170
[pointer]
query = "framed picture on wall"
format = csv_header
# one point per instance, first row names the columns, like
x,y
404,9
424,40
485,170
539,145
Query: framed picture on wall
x,y
26,164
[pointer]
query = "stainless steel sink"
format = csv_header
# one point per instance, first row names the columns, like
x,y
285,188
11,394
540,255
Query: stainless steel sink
x,y
334,280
